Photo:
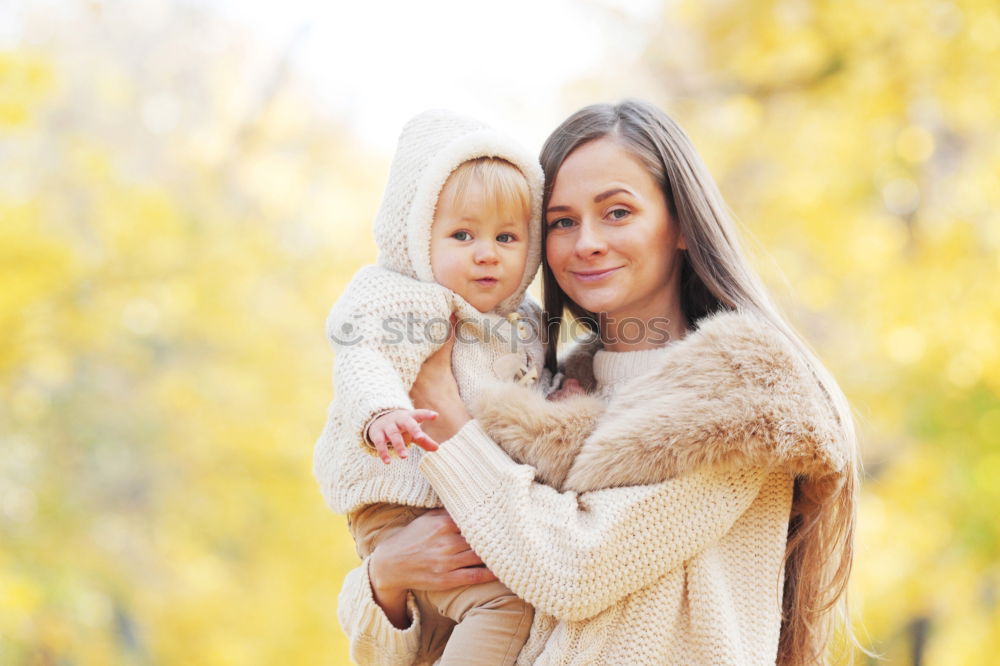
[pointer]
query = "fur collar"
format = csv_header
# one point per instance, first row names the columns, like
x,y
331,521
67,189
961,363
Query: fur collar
x,y
733,392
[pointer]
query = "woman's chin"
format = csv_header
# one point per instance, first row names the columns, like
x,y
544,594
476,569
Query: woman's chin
x,y
597,303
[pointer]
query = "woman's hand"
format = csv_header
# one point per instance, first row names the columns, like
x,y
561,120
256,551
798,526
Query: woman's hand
x,y
427,554
570,387
435,389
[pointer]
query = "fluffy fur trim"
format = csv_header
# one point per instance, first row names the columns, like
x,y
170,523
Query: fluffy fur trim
x,y
733,392
533,431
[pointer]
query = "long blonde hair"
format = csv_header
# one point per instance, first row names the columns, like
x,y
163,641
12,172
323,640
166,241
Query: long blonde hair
x,y
716,275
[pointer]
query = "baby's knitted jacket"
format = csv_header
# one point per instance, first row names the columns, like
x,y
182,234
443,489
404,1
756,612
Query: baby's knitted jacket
x,y
393,315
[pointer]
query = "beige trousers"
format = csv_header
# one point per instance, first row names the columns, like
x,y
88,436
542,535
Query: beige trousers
x,y
476,624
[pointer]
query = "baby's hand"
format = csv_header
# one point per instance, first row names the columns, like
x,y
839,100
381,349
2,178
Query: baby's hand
x,y
400,427
569,388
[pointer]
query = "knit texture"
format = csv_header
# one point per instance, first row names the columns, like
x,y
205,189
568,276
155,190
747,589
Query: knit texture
x,y
378,642
612,369
687,570
392,316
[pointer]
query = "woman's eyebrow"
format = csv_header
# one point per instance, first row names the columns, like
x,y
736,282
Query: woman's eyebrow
x,y
609,193
597,199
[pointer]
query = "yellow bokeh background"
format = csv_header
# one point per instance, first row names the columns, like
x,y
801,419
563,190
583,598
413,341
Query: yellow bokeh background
x,y
169,249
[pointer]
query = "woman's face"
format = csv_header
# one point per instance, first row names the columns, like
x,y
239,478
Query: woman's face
x,y
612,244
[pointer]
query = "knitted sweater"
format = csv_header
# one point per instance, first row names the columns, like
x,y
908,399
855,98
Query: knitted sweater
x,y
681,561
392,316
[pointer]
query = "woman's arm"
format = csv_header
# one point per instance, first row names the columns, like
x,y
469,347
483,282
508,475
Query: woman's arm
x,y
570,555
573,555
374,639
376,609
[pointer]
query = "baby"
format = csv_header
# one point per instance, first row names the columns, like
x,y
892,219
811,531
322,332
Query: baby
x,y
458,233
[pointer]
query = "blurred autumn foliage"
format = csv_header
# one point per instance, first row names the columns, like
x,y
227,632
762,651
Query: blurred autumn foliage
x,y
170,244
177,212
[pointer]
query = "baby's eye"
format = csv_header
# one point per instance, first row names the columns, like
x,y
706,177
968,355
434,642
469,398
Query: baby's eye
x,y
506,238
561,223
461,235
619,213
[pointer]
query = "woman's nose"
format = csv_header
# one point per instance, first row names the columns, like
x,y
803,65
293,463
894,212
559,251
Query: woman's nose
x,y
590,240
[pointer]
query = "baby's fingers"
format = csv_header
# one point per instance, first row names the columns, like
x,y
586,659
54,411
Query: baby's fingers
x,y
421,415
381,449
424,441
397,442
418,436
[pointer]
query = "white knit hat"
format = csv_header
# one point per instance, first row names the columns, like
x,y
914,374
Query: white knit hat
x,y
431,146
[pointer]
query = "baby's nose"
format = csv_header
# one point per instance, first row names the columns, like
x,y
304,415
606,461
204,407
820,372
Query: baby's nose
x,y
486,255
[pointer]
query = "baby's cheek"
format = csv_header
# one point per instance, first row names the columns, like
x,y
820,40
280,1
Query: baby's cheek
x,y
447,270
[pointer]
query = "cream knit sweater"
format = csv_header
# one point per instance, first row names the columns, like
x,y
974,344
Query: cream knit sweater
x,y
392,316
686,570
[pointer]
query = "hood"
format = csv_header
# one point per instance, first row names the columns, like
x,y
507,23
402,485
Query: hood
x,y
431,145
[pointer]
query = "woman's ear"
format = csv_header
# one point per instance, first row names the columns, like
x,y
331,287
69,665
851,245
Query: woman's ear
x,y
681,243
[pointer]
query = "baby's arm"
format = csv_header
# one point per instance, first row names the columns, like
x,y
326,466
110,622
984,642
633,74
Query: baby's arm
x,y
378,329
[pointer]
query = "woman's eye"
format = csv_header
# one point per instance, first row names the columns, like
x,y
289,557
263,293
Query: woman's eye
x,y
461,235
561,223
618,213
506,238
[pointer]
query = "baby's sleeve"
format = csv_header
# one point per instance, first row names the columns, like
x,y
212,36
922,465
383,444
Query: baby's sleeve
x,y
382,329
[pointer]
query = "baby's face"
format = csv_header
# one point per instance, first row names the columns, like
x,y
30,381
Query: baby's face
x,y
477,250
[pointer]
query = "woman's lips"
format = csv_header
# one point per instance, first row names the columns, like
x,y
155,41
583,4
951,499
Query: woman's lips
x,y
594,276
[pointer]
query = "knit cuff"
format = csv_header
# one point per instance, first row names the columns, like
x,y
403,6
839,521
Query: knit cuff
x,y
376,626
468,469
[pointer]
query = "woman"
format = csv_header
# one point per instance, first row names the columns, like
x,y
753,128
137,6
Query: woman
x,y
727,536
